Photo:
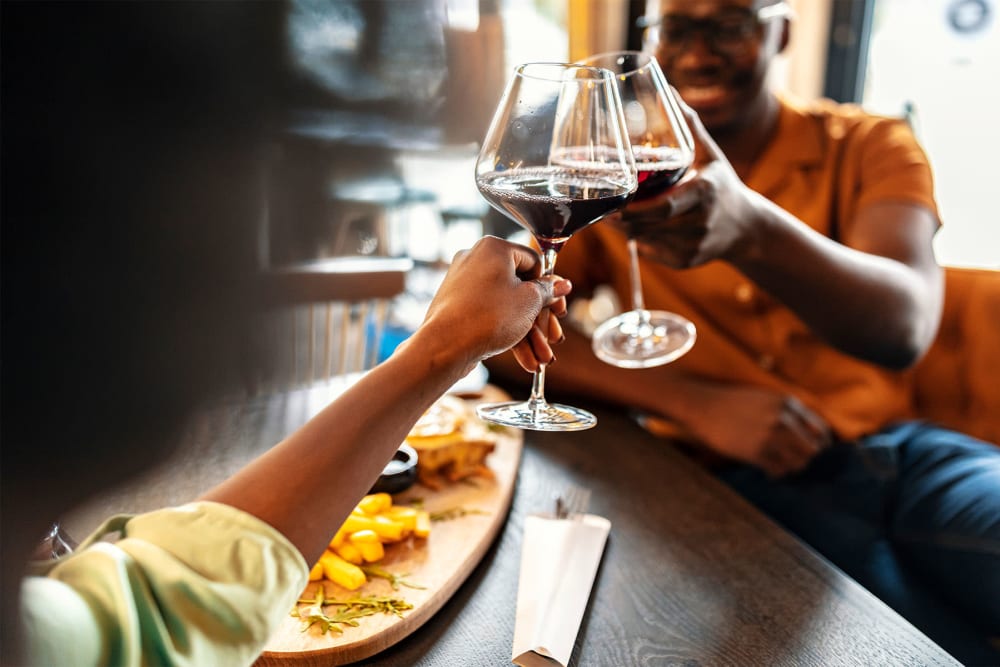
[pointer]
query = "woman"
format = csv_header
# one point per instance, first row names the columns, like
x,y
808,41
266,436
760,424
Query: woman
x,y
131,138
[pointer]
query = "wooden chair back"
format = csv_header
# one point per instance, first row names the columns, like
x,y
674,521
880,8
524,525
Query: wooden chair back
x,y
322,318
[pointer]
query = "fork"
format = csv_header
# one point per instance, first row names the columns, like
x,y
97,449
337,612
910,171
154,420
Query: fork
x,y
572,502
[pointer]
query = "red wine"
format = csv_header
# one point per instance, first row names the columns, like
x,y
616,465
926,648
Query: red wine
x,y
659,167
553,203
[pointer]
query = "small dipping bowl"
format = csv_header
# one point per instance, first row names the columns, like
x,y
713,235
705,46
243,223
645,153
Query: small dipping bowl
x,y
399,473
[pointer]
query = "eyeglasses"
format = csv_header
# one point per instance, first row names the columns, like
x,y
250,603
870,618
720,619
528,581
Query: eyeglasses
x,y
732,32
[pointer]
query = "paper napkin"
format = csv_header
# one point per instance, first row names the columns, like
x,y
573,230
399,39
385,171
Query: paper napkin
x,y
559,560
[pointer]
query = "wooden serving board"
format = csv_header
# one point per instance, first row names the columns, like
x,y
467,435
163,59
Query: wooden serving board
x,y
439,563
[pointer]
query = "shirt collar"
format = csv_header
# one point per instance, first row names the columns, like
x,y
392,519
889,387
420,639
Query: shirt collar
x,y
797,144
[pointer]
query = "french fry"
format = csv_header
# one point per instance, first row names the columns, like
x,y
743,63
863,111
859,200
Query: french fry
x,y
404,515
349,552
372,552
356,522
387,529
364,537
423,524
340,572
369,544
373,522
375,503
338,538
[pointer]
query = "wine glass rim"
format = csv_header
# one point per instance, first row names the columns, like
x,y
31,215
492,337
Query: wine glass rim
x,y
649,60
599,74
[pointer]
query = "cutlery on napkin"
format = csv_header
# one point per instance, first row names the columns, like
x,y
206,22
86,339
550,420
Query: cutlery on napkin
x,y
559,560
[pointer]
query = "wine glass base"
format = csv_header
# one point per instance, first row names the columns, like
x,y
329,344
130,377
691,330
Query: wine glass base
x,y
628,341
545,417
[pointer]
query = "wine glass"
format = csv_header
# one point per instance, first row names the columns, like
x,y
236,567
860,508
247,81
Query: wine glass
x,y
664,149
555,159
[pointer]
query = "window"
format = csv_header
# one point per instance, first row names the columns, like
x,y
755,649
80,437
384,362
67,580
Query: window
x,y
938,61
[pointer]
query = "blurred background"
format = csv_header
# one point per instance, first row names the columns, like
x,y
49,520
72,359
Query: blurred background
x,y
376,158
381,163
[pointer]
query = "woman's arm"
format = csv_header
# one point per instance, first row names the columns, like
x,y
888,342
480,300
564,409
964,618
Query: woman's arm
x,y
307,484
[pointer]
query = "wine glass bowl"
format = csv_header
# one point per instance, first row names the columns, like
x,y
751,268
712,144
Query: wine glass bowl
x,y
555,159
664,150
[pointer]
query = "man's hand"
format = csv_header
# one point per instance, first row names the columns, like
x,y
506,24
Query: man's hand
x,y
771,431
709,214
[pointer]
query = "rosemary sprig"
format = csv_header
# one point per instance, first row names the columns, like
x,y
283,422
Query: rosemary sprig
x,y
352,608
395,580
455,513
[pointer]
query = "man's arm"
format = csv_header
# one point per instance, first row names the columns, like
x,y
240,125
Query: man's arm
x,y
876,294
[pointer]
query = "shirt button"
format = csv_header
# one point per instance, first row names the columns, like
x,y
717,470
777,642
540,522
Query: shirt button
x,y
744,293
766,361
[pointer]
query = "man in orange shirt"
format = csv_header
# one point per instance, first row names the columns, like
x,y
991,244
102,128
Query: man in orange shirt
x,y
800,247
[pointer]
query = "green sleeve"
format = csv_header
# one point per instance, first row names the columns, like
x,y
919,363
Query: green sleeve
x,y
200,584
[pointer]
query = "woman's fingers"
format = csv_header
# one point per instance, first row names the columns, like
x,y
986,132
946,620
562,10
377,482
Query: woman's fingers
x,y
525,356
534,350
558,307
527,261
555,331
540,345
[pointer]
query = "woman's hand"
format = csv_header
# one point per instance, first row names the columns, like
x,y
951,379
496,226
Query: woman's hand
x,y
492,299
709,214
535,349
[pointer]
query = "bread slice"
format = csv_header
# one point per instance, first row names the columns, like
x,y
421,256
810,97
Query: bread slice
x,y
452,443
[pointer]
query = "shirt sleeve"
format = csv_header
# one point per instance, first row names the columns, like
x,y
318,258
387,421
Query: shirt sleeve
x,y
583,260
893,166
200,584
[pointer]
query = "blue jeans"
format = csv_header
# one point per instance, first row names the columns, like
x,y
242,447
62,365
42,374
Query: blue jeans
x,y
913,515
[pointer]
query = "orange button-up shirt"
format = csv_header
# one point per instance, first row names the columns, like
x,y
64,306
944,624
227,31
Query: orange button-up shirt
x,y
824,164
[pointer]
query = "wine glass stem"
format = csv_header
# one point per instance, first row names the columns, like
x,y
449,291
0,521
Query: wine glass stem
x,y
536,402
638,303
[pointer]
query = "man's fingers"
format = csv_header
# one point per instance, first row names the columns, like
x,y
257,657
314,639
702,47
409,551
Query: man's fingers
x,y
780,457
678,255
818,428
683,197
803,439
771,462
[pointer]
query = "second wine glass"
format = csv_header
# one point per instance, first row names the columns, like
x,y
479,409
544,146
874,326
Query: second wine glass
x,y
664,150
555,159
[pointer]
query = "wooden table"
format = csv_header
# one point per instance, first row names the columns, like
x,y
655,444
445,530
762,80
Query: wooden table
x,y
692,574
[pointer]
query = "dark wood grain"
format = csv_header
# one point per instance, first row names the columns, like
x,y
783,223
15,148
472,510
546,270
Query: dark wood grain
x,y
692,574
